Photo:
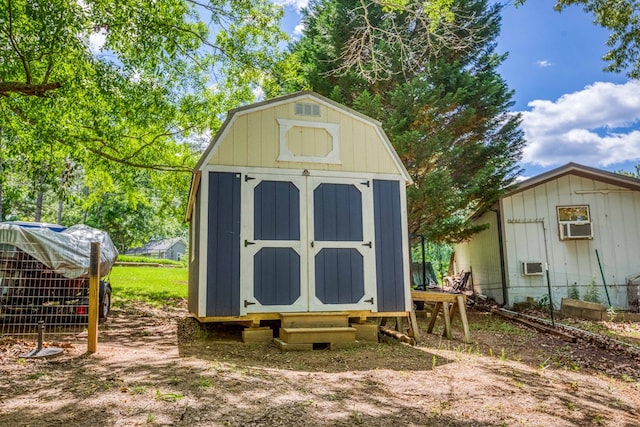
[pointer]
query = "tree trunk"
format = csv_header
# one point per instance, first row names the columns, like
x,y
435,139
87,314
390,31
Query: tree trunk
x,y
39,201
60,212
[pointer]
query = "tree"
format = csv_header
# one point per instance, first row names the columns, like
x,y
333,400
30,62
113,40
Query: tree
x,y
411,34
101,88
449,120
147,86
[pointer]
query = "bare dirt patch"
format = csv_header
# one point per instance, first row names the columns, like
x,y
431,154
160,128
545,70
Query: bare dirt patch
x,y
153,367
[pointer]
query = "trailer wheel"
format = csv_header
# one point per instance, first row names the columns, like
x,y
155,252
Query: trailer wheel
x,y
105,302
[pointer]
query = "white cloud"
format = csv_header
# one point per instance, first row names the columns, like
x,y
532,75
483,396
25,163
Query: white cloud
x,y
544,63
597,126
97,39
296,4
258,93
299,29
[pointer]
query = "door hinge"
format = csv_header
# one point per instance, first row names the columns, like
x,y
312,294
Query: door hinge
x,y
369,300
248,303
247,243
248,178
312,243
368,244
365,183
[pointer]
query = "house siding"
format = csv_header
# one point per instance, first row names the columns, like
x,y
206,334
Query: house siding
x,y
481,256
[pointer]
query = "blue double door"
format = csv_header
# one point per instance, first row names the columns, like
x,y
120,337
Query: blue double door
x,y
307,244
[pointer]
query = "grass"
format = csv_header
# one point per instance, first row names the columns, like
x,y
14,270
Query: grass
x,y
156,286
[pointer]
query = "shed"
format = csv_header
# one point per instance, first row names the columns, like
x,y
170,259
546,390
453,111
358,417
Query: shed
x,y
572,220
172,248
298,205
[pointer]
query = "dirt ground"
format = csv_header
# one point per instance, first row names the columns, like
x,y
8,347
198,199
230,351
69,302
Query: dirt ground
x,y
153,367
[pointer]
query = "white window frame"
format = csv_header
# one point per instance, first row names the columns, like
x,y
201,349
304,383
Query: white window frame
x,y
565,223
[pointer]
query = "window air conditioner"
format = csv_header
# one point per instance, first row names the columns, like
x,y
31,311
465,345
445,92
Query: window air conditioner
x,y
532,268
576,230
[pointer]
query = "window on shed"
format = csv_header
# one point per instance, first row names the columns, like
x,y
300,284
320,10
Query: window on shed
x,y
574,222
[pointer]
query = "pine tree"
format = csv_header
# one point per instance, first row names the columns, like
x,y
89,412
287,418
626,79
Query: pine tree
x,y
449,119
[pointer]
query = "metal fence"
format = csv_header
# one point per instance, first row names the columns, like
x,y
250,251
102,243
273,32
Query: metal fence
x,y
34,299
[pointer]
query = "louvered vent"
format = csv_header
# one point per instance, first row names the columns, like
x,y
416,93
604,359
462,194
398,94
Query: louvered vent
x,y
307,109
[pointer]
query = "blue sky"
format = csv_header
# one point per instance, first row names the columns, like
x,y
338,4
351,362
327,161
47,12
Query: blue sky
x,y
572,110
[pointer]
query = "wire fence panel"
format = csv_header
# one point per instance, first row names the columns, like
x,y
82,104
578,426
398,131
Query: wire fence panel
x,y
31,293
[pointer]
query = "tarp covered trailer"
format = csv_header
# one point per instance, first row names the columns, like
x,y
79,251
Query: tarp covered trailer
x,y
44,273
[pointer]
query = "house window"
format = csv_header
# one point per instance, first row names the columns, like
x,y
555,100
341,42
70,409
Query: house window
x,y
574,222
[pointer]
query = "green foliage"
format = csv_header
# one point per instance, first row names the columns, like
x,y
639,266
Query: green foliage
x,y
104,104
592,294
573,292
153,285
544,303
438,254
449,120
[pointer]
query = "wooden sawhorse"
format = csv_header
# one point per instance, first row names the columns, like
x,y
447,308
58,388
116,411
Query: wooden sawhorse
x,y
443,300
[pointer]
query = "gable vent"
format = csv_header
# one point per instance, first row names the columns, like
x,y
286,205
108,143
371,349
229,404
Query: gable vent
x,y
306,109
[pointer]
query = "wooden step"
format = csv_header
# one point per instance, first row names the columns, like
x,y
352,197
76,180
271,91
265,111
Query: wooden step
x,y
334,336
335,319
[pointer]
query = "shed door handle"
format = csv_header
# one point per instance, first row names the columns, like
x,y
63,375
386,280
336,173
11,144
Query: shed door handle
x,y
247,243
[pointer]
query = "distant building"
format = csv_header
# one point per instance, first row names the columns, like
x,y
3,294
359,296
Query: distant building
x,y
166,249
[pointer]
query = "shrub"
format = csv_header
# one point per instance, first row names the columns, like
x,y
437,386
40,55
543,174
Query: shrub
x,y
592,294
573,292
149,260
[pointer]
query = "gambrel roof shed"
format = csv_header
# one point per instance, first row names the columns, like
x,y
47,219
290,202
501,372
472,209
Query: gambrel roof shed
x,y
308,196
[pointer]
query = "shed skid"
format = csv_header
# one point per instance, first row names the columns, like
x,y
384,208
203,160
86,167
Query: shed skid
x,y
254,319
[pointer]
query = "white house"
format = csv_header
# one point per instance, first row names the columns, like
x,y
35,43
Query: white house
x,y
172,248
579,222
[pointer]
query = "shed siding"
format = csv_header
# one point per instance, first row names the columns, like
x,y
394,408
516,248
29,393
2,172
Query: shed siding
x,y
223,238
194,259
481,256
253,140
615,214
389,249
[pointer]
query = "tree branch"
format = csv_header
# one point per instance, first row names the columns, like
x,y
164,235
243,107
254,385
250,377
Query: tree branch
x,y
120,160
28,89
165,168
15,47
